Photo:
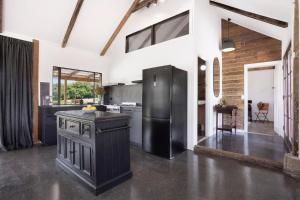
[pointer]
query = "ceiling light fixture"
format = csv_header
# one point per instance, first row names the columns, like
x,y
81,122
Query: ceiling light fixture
x,y
228,45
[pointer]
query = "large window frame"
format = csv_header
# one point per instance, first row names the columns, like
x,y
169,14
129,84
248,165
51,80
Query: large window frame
x,y
153,33
58,70
288,98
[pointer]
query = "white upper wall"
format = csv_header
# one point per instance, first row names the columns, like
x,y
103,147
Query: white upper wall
x,y
203,41
48,19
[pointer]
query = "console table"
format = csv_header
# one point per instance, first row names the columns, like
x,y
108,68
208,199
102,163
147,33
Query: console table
x,y
230,111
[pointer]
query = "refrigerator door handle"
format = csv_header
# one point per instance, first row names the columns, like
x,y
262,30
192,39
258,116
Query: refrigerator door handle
x,y
154,80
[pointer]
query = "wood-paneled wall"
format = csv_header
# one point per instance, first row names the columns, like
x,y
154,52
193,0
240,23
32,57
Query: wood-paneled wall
x,y
296,74
35,91
251,47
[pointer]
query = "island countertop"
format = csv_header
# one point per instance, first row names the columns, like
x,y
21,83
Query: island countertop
x,y
97,116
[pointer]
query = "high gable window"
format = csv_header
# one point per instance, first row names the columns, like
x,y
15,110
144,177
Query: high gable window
x,y
168,29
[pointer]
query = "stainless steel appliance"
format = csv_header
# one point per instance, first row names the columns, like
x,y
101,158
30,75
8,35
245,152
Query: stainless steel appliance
x,y
164,111
113,108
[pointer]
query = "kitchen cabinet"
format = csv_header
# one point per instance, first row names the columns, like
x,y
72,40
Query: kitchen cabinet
x,y
47,121
135,124
94,148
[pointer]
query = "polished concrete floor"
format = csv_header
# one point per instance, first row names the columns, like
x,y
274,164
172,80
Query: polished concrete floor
x,y
33,175
266,128
261,146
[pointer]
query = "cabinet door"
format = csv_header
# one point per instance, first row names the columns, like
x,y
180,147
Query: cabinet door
x,y
68,148
131,124
76,154
137,127
61,146
86,160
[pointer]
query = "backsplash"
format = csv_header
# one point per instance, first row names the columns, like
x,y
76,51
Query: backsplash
x,y
125,93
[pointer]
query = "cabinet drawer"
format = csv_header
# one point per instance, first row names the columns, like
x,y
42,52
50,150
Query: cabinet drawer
x,y
73,126
86,130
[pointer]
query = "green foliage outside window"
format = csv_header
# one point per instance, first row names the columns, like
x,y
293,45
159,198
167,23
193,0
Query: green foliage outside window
x,y
80,90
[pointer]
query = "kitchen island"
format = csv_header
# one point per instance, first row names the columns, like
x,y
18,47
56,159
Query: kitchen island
x,y
47,121
94,148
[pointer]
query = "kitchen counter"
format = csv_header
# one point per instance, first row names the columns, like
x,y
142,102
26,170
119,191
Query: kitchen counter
x,y
94,117
47,121
94,148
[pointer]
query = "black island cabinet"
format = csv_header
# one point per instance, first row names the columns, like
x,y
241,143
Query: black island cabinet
x,y
47,121
94,148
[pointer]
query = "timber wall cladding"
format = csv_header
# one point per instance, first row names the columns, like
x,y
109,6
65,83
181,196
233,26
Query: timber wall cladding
x,y
251,47
296,72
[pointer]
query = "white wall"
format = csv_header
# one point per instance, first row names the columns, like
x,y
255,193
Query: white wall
x,y
208,40
202,41
52,54
261,89
178,52
278,100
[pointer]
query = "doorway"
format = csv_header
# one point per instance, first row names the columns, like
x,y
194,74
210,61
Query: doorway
x,y
201,99
262,98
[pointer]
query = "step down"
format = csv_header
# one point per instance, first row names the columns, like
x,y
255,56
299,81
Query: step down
x,y
271,164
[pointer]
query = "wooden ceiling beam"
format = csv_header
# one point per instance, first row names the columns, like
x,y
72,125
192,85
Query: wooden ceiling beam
x,y
262,18
120,26
72,23
1,16
73,73
144,3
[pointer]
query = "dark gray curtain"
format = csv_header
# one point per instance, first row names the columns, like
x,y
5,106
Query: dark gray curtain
x,y
15,93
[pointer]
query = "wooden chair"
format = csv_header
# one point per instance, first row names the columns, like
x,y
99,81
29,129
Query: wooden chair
x,y
263,111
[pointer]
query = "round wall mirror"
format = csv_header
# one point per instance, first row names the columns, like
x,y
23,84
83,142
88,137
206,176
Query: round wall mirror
x,y
216,69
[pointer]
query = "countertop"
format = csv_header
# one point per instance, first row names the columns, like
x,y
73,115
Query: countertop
x,y
97,116
62,106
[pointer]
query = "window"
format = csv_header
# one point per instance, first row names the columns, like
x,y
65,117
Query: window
x,y
139,40
70,86
168,29
172,28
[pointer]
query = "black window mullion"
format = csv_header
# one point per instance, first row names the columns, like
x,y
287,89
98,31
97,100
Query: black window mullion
x,y
94,87
153,38
59,84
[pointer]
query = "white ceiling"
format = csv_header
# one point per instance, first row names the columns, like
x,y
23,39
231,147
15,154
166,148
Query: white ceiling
x,y
48,19
277,9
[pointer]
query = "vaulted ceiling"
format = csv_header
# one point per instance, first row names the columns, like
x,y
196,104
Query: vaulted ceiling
x,y
97,20
49,20
277,9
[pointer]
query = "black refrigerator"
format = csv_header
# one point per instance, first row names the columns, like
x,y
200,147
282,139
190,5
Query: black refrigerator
x,y
164,111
